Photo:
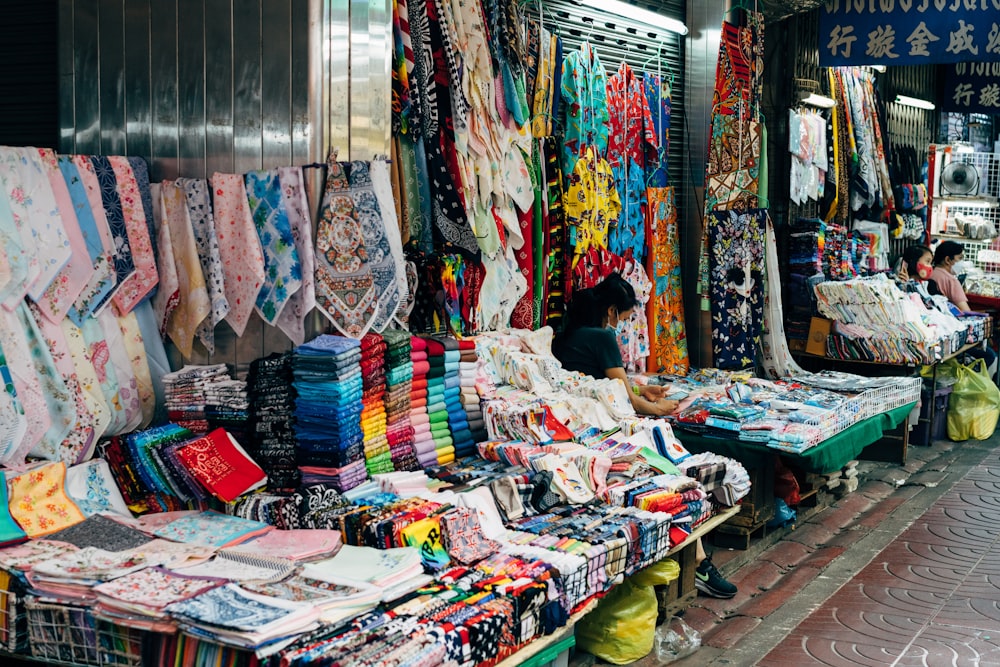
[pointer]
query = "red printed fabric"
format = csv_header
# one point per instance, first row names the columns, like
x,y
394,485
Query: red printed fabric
x,y
630,123
221,465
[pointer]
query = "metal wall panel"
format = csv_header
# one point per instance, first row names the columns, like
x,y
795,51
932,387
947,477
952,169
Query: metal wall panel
x,y
199,86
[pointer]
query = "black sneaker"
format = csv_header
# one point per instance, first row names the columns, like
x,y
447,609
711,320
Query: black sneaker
x,y
710,581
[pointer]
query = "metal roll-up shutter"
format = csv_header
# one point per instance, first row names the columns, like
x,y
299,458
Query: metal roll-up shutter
x,y
645,49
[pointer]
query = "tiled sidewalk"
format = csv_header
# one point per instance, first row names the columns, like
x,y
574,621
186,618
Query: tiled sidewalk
x,y
904,571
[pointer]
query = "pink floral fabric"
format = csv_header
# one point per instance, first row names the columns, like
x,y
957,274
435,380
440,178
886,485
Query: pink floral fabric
x,y
239,248
138,286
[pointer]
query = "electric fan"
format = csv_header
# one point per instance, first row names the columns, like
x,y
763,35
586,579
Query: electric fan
x,y
959,179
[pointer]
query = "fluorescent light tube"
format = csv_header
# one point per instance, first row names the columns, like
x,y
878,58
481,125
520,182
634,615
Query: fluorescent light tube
x,y
814,100
914,102
968,203
637,14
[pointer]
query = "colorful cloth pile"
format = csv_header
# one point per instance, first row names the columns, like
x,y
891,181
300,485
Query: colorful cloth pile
x,y
189,391
271,405
442,373
328,407
423,441
399,385
377,457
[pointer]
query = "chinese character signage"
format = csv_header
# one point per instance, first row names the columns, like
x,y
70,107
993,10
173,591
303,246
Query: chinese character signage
x,y
972,88
908,32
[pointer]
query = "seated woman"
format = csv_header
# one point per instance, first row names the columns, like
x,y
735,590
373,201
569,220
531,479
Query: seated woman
x,y
916,263
588,344
946,256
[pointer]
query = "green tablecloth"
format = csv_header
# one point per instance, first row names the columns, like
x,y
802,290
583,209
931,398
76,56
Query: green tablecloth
x,y
829,455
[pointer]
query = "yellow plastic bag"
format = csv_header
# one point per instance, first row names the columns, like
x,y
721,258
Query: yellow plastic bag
x,y
622,627
974,405
662,573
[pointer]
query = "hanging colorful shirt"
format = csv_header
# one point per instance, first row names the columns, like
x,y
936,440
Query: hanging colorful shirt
x,y
591,202
584,90
630,129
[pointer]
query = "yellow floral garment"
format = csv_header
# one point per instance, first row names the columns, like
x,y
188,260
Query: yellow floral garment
x,y
38,501
591,203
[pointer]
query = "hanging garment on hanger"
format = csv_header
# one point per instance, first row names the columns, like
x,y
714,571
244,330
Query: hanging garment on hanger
x,y
60,404
776,358
657,92
282,267
14,260
292,318
584,88
141,172
59,297
669,353
135,350
43,219
736,262
239,248
84,192
144,280
78,443
630,132
86,375
382,185
207,242
192,305
381,262
633,341
13,422
124,262
345,286
26,382
13,195
591,202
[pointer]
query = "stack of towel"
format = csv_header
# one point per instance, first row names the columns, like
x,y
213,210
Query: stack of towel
x,y
423,441
185,393
468,370
442,371
377,457
398,384
329,388
458,421
272,403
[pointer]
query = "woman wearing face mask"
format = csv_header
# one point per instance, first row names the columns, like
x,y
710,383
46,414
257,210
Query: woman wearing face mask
x,y
588,342
915,264
946,256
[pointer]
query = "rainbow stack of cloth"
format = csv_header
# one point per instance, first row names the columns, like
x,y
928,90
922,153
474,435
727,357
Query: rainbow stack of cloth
x,y
423,441
377,457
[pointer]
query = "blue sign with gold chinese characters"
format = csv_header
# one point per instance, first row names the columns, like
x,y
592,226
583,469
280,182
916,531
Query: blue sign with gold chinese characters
x,y
972,88
908,32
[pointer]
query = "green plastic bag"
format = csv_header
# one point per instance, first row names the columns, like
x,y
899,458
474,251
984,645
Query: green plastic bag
x,y
622,627
974,405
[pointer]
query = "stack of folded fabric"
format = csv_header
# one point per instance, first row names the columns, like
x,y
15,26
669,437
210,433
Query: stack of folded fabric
x,y
458,420
272,402
226,406
397,571
423,441
334,602
468,370
399,383
329,389
377,457
184,393
437,404
145,594
234,616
